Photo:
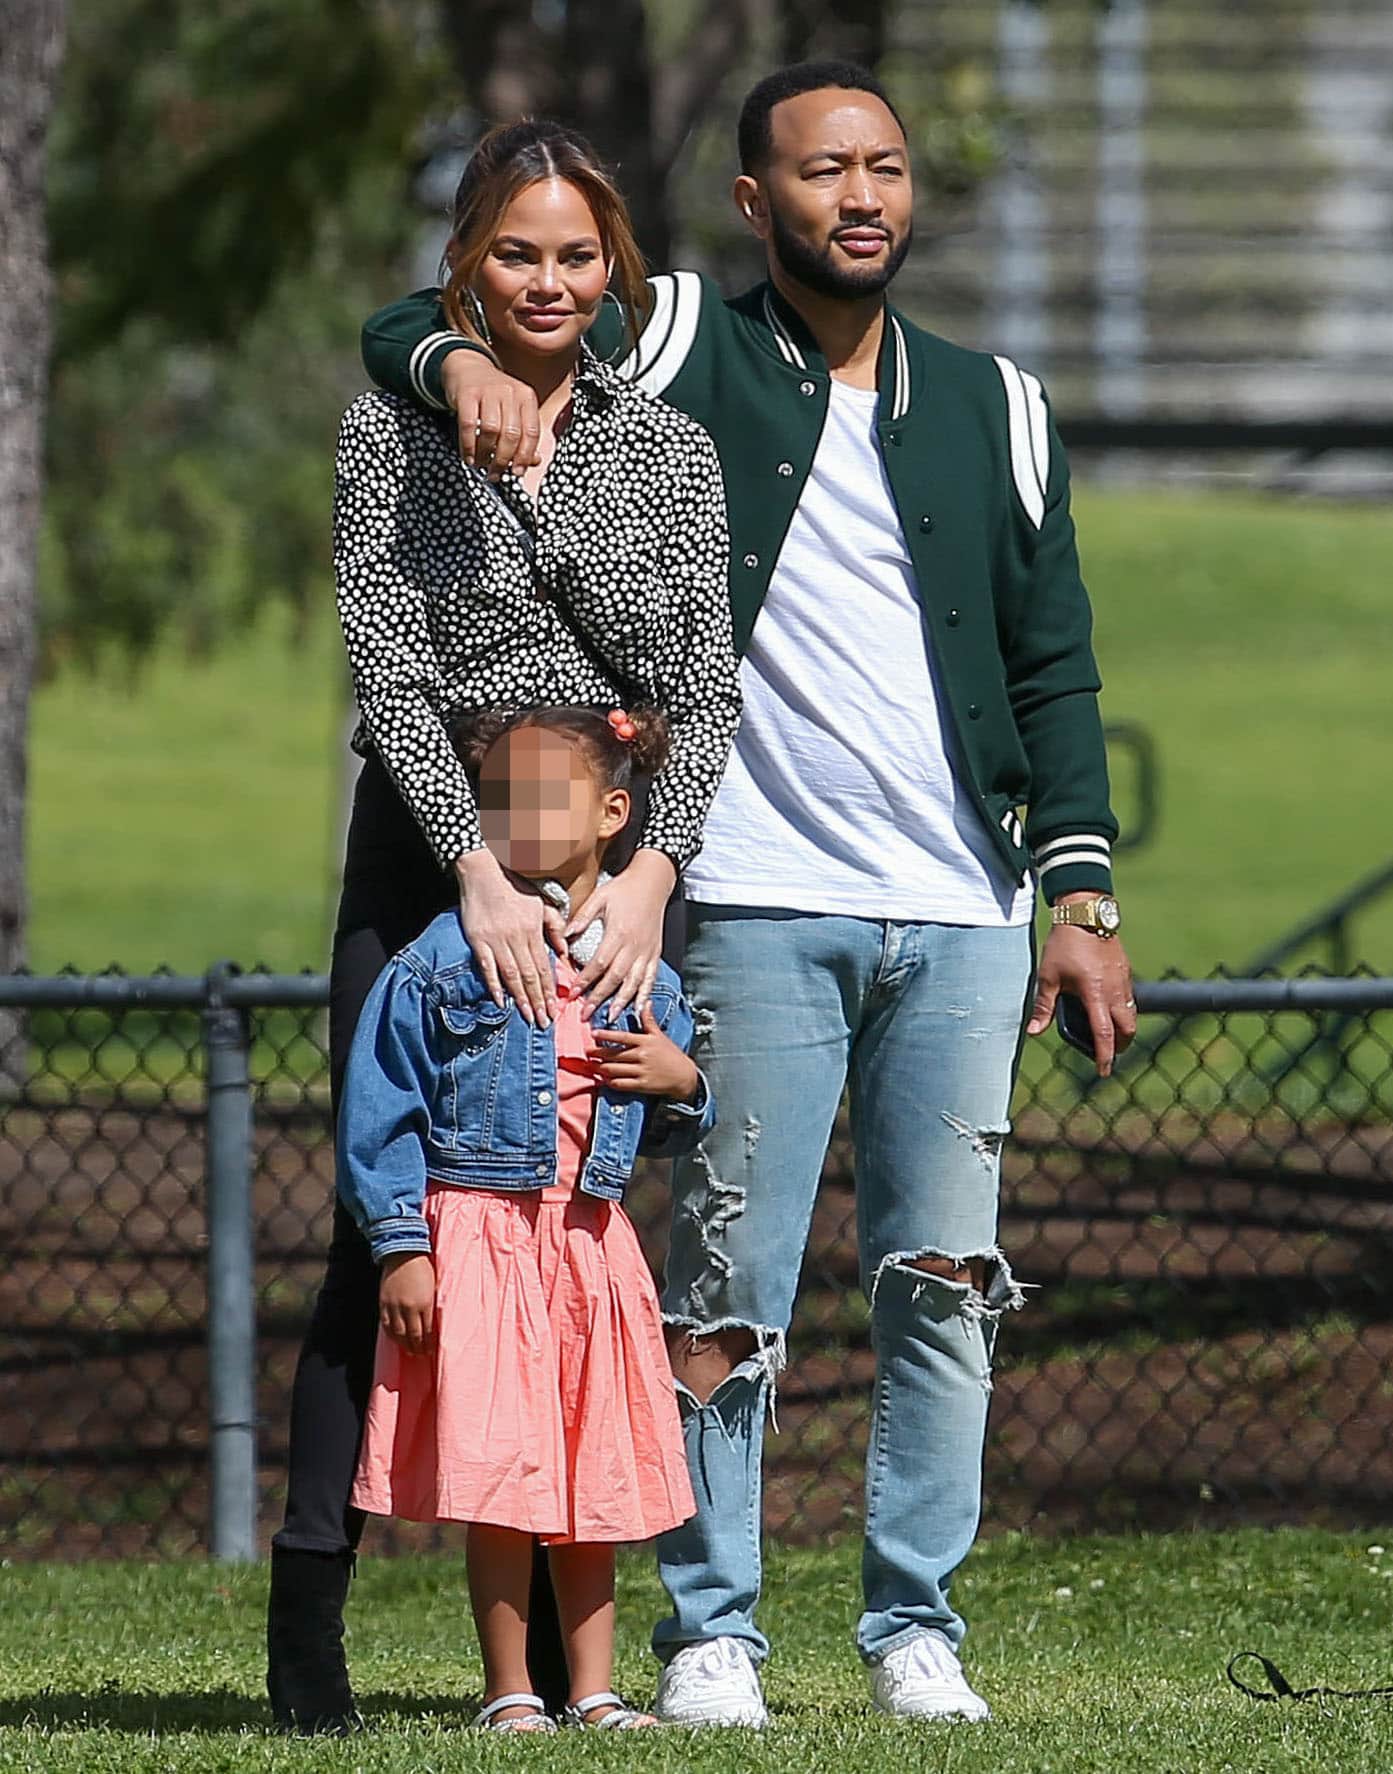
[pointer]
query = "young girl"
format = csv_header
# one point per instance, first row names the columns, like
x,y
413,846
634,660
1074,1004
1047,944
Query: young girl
x,y
522,1384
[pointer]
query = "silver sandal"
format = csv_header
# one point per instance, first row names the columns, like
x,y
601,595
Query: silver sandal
x,y
621,1718
537,1720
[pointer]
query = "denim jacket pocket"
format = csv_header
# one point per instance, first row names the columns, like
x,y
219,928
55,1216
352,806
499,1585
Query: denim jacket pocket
x,y
475,1044
475,1026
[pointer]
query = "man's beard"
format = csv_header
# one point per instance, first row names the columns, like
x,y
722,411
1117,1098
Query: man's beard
x,y
817,270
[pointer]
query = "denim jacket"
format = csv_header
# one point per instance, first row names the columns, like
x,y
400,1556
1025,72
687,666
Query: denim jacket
x,y
442,1082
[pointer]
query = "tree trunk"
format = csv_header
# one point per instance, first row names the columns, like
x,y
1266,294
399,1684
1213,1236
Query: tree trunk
x,y
850,29
604,89
499,54
31,39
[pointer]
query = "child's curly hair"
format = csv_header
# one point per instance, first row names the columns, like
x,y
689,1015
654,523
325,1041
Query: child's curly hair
x,y
616,760
624,749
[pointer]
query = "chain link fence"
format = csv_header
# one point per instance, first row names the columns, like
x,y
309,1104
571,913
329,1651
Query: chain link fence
x,y
1209,1239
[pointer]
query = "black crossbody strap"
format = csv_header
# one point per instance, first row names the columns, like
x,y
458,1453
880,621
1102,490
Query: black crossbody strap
x,y
1281,1688
631,692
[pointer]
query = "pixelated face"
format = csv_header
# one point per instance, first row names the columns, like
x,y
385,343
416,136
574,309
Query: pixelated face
x,y
540,806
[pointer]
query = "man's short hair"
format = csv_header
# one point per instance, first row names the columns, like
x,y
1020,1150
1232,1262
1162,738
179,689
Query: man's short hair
x,y
755,134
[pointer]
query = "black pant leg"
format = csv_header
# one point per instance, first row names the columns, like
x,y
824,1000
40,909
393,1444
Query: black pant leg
x,y
392,890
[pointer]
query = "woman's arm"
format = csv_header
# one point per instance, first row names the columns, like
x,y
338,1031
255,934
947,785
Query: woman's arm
x,y
382,609
400,689
698,687
698,674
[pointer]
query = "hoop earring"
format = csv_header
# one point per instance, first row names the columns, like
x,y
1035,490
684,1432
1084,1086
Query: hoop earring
x,y
479,318
625,343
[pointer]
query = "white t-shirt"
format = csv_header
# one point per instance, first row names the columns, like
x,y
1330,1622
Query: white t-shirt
x,y
839,795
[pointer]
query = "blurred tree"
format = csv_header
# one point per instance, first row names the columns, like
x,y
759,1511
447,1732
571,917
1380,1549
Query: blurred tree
x,y
635,78
855,29
31,46
228,195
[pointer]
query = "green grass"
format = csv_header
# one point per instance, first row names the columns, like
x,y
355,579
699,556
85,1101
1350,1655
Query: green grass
x,y
189,812
1250,635
1096,1654
193,813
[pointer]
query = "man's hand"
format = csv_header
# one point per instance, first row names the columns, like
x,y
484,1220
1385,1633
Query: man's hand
x,y
499,426
1097,970
406,1301
650,1064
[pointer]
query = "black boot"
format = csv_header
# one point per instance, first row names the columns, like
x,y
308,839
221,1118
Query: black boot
x,y
306,1675
546,1651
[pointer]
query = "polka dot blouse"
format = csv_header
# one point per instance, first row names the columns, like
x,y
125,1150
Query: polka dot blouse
x,y
457,596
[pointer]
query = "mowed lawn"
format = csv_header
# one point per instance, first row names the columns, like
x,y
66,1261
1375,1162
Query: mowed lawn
x,y
193,811
1098,1656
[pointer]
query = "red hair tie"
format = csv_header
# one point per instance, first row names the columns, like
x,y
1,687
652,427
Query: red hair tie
x,y
623,727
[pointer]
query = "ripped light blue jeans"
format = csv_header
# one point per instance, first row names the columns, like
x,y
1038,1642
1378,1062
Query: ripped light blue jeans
x,y
924,1022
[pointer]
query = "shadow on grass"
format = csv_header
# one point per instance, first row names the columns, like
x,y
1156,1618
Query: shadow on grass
x,y
140,1712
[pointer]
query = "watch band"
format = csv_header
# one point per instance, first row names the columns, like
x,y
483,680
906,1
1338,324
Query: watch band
x,y
1099,915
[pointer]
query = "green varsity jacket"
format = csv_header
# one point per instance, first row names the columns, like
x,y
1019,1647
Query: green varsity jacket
x,y
982,489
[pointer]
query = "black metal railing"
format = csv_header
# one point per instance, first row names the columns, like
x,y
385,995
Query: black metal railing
x,y
1209,1238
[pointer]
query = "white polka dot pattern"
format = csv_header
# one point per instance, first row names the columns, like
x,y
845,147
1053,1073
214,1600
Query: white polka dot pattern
x,y
445,610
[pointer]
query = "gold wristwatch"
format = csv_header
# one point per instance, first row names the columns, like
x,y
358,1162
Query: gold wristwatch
x,y
1101,915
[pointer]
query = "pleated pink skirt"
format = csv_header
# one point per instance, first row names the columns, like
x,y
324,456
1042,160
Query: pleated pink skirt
x,y
547,1404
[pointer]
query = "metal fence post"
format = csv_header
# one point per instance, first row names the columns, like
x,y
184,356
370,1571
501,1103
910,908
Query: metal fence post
x,y
231,1280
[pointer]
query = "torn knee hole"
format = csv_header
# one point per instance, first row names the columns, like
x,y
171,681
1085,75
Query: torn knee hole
x,y
729,1346
704,1356
970,1274
983,1278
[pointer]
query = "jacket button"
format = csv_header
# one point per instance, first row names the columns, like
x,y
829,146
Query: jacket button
x,y
893,437
751,560
926,523
785,469
540,1171
544,1097
807,387
953,619
974,711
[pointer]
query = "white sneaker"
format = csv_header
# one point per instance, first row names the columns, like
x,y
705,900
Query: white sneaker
x,y
713,1683
922,1679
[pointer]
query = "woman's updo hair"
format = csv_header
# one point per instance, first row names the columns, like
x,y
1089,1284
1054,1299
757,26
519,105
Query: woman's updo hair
x,y
506,161
616,761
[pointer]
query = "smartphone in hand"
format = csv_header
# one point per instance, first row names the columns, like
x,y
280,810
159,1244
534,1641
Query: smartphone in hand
x,y
1071,1019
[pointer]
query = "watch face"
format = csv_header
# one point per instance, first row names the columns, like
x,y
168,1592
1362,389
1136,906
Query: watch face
x,y
1109,915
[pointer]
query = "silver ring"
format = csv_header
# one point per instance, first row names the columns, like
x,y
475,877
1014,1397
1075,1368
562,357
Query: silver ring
x,y
1131,1004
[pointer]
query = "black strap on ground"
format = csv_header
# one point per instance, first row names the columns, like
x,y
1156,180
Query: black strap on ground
x,y
1283,1690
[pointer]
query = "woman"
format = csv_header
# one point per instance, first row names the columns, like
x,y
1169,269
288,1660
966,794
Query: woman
x,y
598,578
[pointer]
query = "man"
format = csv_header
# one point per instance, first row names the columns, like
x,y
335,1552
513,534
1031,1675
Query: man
x,y
917,671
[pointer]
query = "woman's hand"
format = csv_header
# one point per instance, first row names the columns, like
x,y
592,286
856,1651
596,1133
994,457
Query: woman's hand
x,y
650,1064
508,925
406,1301
632,906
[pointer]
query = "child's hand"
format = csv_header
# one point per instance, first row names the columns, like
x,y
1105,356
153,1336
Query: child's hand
x,y
650,1064
406,1301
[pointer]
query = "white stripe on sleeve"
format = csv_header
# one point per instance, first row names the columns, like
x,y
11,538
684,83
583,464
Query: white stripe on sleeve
x,y
664,368
1076,841
416,366
1023,464
655,329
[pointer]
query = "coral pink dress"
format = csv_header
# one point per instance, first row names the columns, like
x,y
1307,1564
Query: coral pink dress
x,y
547,1404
